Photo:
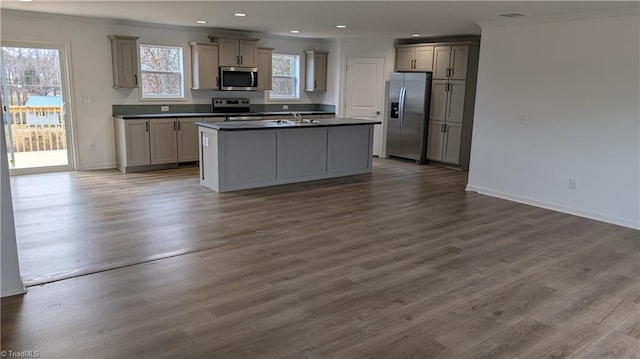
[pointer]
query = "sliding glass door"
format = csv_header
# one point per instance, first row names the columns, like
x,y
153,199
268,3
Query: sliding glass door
x,y
34,103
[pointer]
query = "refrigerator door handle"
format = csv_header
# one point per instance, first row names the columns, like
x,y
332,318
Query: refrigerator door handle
x,y
403,92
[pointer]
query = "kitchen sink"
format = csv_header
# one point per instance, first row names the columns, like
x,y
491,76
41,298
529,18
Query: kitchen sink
x,y
282,122
310,121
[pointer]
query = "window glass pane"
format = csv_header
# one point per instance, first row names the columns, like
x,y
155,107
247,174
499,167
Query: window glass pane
x,y
162,72
160,58
284,65
283,87
161,84
285,77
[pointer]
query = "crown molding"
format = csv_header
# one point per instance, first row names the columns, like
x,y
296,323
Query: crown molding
x,y
560,18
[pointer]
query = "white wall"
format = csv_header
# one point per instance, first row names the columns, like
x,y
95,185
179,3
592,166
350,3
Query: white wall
x,y
11,284
90,70
575,84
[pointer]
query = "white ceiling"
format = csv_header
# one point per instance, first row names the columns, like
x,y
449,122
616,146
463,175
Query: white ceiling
x,y
317,19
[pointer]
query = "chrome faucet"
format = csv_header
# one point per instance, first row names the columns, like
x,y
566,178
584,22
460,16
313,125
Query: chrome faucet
x,y
297,116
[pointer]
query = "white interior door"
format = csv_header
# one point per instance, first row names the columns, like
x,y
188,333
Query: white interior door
x,y
364,94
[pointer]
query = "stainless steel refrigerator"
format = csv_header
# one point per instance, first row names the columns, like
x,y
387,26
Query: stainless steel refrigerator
x,y
408,104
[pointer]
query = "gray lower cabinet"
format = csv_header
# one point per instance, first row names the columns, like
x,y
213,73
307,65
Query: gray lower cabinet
x,y
133,143
446,119
302,153
187,139
163,140
248,156
240,159
349,149
148,144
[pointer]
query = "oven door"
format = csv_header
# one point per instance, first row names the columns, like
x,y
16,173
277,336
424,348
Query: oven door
x,y
238,78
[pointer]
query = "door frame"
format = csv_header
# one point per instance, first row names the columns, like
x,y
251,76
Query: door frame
x,y
69,109
381,135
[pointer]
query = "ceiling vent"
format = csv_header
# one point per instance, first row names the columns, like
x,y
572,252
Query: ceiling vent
x,y
512,14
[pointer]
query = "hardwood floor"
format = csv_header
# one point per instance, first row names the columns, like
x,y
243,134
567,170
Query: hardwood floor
x,y
402,263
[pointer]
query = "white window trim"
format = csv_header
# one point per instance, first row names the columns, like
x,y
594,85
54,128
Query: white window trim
x,y
150,98
298,95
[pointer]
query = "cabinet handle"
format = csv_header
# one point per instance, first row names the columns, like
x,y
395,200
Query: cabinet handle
x,y
237,60
135,79
217,82
315,84
446,127
451,72
178,125
241,61
413,63
442,128
147,125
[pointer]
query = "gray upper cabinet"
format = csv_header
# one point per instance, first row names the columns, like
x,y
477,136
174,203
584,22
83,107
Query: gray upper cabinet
x,y
455,69
418,58
237,51
450,62
316,70
204,66
265,64
124,56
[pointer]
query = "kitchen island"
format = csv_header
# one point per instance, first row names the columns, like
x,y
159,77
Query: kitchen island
x,y
249,154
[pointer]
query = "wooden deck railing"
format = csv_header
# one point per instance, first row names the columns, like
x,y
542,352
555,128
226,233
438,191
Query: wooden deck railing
x,y
37,128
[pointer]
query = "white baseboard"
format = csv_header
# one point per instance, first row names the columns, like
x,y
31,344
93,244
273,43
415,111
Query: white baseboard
x,y
105,166
12,288
625,222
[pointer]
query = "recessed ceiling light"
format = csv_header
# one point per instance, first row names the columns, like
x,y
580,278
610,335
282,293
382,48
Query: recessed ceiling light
x,y
295,31
240,14
341,26
201,21
415,35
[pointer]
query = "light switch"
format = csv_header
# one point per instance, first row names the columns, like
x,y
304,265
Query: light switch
x,y
164,108
87,99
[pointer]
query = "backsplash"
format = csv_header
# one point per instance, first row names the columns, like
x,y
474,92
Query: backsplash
x,y
145,109
292,107
206,108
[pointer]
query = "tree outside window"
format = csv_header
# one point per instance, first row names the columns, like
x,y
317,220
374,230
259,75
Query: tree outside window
x,y
162,71
285,77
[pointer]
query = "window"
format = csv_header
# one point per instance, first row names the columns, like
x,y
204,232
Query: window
x,y
285,77
162,72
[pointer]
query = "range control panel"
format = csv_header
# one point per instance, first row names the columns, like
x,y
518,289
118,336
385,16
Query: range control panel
x,y
230,103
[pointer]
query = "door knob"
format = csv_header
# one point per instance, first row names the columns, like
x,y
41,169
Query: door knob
x,y
377,112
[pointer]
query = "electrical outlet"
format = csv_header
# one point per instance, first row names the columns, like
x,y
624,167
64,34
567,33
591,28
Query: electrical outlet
x,y
572,184
285,107
164,108
87,99
92,147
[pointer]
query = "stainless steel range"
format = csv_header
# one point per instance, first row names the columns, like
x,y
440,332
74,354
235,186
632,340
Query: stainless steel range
x,y
237,109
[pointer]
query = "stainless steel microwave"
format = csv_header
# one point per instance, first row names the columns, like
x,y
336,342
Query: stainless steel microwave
x,y
238,78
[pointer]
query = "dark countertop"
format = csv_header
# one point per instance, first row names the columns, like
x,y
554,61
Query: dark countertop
x,y
271,125
214,114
